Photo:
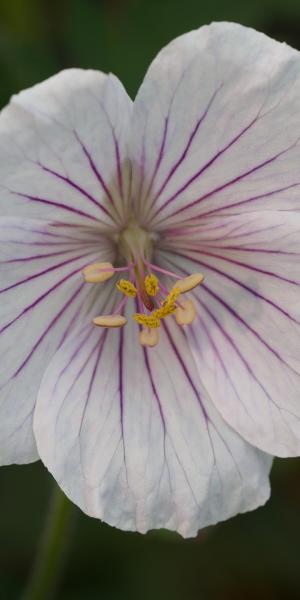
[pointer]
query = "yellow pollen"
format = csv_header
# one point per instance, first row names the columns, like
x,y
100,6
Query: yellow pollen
x,y
98,272
149,337
168,307
151,285
110,321
127,288
185,313
151,321
189,283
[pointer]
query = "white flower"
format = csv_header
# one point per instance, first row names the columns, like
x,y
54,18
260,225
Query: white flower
x,y
160,424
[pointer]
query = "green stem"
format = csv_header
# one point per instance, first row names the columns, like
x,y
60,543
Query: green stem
x,y
52,549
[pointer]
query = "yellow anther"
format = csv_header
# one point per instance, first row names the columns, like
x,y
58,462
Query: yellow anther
x,y
189,283
149,337
151,321
168,307
110,321
151,285
127,288
185,313
98,272
164,311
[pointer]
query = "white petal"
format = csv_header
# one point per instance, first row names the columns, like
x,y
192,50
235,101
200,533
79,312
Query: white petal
x,y
63,150
216,125
246,340
42,296
132,437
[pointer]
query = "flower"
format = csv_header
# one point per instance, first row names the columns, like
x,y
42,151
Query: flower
x,y
150,280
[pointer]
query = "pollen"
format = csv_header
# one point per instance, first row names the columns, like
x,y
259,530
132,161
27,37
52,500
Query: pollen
x,y
127,288
169,306
185,313
98,272
110,321
149,337
151,285
189,283
151,321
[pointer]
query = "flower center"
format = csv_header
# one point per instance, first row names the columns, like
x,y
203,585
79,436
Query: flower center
x,y
153,301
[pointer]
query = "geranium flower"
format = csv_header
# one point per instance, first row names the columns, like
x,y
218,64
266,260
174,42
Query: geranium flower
x,y
153,392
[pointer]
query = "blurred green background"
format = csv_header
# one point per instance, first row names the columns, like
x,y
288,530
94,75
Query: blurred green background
x,y
254,556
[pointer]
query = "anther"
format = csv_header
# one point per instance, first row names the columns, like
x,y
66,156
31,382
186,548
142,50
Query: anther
x,y
168,307
127,288
151,321
151,284
185,313
110,321
149,337
98,272
189,283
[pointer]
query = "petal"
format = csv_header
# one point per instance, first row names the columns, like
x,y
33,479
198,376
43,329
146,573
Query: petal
x,y
246,340
63,150
132,437
216,125
42,296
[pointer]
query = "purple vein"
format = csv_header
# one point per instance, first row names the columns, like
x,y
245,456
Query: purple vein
x,y
159,157
219,357
242,285
45,271
37,257
207,165
232,343
76,186
185,370
186,149
118,160
76,211
93,376
250,267
241,320
249,200
40,299
46,331
153,386
235,347
121,391
98,175
224,185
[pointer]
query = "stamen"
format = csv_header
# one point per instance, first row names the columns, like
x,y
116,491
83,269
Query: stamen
x,y
110,321
126,287
98,272
150,321
151,285
189,283
168,307
185,313
149,337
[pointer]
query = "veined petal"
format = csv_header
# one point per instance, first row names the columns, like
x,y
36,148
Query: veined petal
x,y
63,150
246,339
216,126
42,297
132,437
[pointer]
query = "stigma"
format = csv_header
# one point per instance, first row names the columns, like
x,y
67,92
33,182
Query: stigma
x,y
153,301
